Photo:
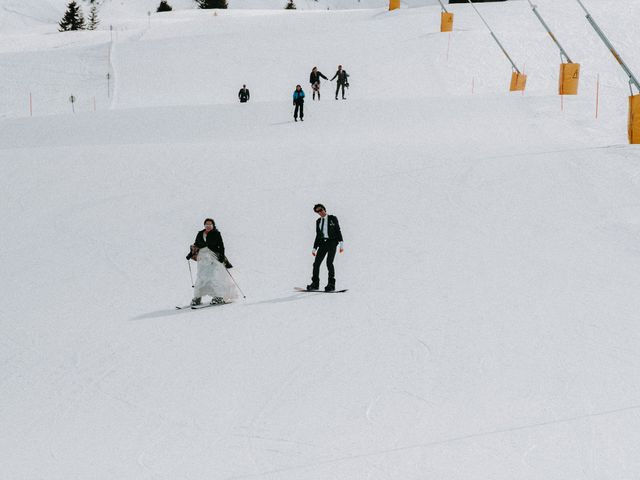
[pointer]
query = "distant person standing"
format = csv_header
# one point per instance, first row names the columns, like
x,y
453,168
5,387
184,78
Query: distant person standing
x,y
314,80
328,239
342,77
243,94
298,102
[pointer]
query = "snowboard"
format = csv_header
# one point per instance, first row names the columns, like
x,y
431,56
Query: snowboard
x,y
300,289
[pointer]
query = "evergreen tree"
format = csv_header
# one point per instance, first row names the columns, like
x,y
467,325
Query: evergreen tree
x,y
164,7
212,3
93,18
290,5
73,19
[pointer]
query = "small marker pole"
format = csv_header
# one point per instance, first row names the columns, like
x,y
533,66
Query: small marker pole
x,y
597,95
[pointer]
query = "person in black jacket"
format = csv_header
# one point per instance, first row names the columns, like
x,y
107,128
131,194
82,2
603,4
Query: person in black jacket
x,y
212,277
243,94
343,81
328,239
314,80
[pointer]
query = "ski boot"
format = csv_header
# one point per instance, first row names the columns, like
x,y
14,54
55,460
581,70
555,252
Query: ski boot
x,y
196,301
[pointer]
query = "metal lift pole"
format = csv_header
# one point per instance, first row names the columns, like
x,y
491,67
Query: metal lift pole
x,y
603,37
443,7
553,37
495,38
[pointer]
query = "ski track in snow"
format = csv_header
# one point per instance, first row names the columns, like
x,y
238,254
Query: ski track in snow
x,y
464,438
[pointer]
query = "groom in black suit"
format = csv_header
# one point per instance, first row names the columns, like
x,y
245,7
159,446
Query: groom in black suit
x,y
328,239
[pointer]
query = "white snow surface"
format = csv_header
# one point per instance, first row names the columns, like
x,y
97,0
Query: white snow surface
x,y
492,245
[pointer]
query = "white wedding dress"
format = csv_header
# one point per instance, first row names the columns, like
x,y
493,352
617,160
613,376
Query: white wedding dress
x,y
213,279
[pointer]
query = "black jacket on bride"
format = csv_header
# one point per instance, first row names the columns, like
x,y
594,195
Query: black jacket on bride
x,y
213,242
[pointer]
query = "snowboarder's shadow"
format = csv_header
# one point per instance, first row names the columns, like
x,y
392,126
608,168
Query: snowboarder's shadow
x,y
289,298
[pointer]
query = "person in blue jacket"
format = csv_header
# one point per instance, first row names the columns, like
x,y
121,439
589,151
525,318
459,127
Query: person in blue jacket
x,y
298,102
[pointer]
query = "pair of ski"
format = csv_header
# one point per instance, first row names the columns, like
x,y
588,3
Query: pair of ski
x,y
198,307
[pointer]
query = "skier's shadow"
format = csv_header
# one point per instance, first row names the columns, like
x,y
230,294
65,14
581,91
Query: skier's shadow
x,y
169,313
161,313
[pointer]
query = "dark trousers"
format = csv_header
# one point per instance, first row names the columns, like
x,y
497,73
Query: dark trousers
x,y
326,249
299,106
338,88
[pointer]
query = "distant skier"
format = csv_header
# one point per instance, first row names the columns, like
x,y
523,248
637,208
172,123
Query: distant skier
x,y
328,239
343,81
298,102
243,94
314,80
212,279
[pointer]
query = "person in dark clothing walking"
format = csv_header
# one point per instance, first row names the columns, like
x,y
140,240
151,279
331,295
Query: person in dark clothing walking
x,y
342,76
314,80
298,101
328,240
243,94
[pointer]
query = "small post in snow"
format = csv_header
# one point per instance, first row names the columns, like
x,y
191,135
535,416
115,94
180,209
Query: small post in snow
x,y
72,99
597,95
108,86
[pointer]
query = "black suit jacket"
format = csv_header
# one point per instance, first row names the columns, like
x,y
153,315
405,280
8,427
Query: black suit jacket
x,y
333,230
342,77
214,242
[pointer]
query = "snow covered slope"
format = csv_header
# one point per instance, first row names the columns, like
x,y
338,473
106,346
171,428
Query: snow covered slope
x,y
490,329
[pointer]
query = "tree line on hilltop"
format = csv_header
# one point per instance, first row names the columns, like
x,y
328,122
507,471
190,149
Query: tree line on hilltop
x,y
74,19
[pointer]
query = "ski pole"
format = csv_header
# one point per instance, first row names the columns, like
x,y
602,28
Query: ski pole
x,y
191,274
234,281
